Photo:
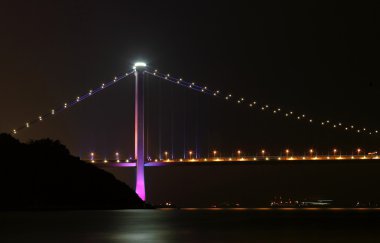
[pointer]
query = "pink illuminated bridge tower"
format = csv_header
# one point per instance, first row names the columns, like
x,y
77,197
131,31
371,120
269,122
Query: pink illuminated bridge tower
x,y
139,68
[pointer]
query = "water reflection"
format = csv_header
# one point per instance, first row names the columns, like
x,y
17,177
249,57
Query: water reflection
x,y
192,225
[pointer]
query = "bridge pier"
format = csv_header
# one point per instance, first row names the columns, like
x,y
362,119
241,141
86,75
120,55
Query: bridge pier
x,y
139,129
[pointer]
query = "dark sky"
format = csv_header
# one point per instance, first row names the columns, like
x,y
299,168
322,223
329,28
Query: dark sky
x,y
313,58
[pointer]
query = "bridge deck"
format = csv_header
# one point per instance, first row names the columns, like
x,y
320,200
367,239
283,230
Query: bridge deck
x,y
239,161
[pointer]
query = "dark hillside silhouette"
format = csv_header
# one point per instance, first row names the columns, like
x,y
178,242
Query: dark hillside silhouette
x,y
43,175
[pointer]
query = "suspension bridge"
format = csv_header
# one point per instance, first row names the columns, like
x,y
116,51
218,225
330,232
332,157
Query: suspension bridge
x,y
140,159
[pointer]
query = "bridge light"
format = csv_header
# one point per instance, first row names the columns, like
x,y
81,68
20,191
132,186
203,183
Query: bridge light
x,y
14,131
40,118
27,124
139,64
358,150
311,151
214,153
65,105
78,99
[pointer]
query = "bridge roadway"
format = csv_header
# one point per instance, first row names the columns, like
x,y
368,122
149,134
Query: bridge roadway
x,y
238,161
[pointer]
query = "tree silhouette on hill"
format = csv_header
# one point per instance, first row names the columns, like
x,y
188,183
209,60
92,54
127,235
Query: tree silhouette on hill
x,y
42,174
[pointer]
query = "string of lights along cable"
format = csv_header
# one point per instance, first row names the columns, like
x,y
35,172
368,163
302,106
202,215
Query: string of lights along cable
x,y
71,103
275,110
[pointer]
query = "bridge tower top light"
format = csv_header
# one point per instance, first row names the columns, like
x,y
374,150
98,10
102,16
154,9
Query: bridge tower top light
x,y
139,65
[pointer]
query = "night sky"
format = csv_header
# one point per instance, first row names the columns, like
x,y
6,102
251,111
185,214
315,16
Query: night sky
x,y
308,57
